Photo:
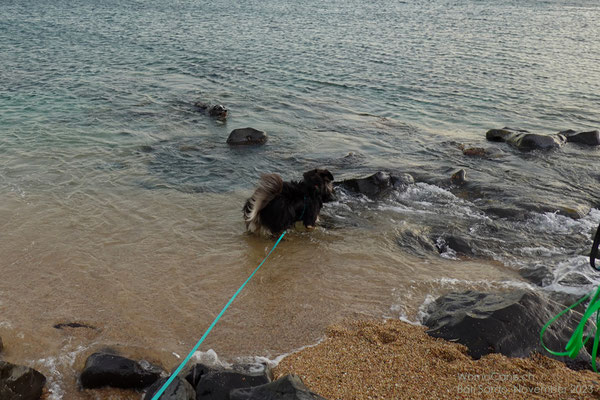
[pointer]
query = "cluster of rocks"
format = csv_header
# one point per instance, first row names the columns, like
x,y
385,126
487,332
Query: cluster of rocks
x,y
525,140
201,382
508,323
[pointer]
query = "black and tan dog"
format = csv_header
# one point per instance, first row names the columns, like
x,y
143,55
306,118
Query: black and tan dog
x,y
277,205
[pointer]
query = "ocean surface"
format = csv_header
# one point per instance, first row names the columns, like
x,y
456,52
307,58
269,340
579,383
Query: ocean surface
x,y
120,202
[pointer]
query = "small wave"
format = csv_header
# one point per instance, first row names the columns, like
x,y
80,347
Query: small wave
x,y
54,376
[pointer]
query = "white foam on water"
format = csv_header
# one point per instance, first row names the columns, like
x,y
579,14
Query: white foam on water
x,y
422,313
453,282
552,222
54,376
209,358
256,363
427,196
541,251
402,209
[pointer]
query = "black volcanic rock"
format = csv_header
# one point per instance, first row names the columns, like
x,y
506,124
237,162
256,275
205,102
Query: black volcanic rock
x,y
18,382
115,371
195,373
216,385
289,387
179,389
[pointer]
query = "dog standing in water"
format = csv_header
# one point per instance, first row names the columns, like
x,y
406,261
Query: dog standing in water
x,y
277,205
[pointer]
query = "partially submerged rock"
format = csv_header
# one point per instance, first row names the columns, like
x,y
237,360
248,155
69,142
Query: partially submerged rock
x,y
218,111
459,177
377,184
216,385
475,151
289,387
64,325
179,389
115,371
540,275
507,323
574,279
246,136
524,140
416,243
591,138
456,243
18,382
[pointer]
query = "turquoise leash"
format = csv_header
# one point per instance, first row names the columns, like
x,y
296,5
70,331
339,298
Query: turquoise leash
x,y
185,361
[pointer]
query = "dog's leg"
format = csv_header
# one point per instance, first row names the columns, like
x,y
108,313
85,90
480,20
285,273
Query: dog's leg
x,y
310,218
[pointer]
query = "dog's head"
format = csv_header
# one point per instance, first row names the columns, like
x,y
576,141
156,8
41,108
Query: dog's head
x,y
321,180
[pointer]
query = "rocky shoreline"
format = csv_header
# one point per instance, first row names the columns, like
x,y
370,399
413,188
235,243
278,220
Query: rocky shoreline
x,y
466,336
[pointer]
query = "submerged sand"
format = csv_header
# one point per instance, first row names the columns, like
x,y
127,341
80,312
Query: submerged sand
x,y
395,360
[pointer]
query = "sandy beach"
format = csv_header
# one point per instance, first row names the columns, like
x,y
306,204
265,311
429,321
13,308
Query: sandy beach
x,y
392,359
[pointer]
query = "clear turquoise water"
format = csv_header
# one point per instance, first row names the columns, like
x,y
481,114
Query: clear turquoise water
x,y
85,85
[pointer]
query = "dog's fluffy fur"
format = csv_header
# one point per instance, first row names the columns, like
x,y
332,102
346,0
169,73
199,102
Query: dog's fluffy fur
x,y
277,205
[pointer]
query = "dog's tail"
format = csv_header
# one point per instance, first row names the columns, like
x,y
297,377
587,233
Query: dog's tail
x,y
269,186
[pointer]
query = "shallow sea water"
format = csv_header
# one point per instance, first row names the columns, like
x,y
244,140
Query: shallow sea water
x,y
120,204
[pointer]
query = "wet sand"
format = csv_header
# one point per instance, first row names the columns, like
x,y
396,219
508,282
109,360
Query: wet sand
x,y
392,359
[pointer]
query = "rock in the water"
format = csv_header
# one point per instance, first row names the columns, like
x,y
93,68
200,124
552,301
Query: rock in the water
x,y
245,136
20,383
475,152
289,387
575,211
456,243
217,111
509,212
506,323
64,325
574,279
524,140
217,385
459,177
416,243
540,275
179,389
591,138
378,184
111,370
